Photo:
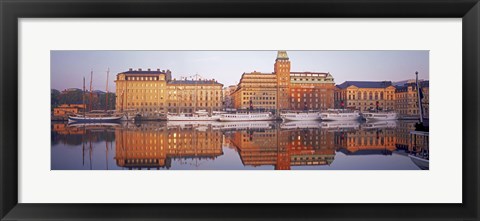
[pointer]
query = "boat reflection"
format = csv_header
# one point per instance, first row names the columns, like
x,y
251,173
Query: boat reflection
x,y
234,145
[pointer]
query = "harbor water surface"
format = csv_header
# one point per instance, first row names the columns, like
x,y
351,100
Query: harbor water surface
x,y
262,145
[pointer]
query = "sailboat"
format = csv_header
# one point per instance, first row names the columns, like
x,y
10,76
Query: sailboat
x,y
420,137
95,116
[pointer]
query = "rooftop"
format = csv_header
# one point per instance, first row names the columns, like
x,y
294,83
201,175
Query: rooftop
x,y
365,84
202,82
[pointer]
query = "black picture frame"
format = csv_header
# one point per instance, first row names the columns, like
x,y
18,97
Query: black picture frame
x,y
11,11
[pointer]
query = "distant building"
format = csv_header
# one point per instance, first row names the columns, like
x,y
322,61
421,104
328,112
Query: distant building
x,y
256,91
228,100
153,92
365,95
187,96
283,89
406,101
142,90
311,91
65,109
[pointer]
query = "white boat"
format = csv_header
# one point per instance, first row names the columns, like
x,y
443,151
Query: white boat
x,y
300,125
380,124
339,115
340,125
379,116
422,163
243,125
247,116
301,116
201,115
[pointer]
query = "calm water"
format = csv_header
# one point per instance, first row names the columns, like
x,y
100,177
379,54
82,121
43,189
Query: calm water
x,y
235,146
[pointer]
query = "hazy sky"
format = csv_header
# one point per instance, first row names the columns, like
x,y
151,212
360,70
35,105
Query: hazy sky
x,y
69,67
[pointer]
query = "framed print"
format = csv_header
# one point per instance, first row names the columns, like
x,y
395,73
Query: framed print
x,y
239,110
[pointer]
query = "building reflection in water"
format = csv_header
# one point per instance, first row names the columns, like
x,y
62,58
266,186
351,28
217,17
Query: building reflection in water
x,y
153,145
284,146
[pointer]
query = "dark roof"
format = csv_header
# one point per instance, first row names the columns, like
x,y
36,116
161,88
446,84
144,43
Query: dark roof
x,y
144,72
207,82
412,84
365,84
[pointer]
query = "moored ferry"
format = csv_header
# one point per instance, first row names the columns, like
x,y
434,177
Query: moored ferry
x,y
242,125
247,116
380,124
201,115
339,115
300,125
353,124
379,116
300,116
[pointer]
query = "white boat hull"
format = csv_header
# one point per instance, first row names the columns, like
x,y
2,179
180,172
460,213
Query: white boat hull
x,y
246,125
340,125
379,116
300,125
423,164
300,116
340,116
192,118
247,117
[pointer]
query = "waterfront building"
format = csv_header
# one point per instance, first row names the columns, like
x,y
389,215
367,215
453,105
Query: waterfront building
x,y
282,74
188,96
406,100
284,89
311,91
142,90
153,92
256,90
365,95
65,109
228,99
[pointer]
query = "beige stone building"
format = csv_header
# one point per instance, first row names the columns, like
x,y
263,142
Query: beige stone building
x,y
365,95
153,92
187,96
144,91
406,100
256,90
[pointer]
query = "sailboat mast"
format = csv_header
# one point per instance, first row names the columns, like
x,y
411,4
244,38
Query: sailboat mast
x,y
91,79
106,95
419,98
83,99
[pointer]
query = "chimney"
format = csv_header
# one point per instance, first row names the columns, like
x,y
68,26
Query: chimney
x,y
149,69
130,69
158,69
139,69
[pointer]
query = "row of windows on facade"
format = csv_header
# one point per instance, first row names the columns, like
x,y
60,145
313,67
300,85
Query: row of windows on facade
x,y
142,78
193,92
170,104
307,100
313,79
309,95
258,98
380,103
370,97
